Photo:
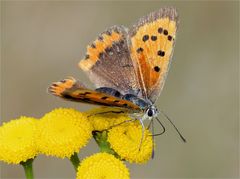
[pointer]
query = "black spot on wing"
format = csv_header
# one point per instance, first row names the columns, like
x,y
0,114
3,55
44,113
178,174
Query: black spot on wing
x,y
157,69
160,30
104,97
153,38
140,49
145,38
169,37
165,32
161,53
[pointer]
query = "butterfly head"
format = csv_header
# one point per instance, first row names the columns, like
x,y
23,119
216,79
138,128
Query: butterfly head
x,y
151,111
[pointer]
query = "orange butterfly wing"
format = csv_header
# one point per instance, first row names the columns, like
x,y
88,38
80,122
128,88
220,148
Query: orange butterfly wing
x,y
152,42
73,90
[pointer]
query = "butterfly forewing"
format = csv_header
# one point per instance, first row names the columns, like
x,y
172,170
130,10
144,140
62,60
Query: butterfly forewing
x,y
152,41
108,62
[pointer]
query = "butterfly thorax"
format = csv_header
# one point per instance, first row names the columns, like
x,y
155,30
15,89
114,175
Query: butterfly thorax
x,y
149,110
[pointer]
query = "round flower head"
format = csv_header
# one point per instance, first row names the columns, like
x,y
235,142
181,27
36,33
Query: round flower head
x,y
103,118
125,140
102,165
63,132
17,140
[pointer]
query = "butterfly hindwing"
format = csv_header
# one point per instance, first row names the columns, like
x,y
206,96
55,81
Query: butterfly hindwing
x,y
73,90
108,62
152,42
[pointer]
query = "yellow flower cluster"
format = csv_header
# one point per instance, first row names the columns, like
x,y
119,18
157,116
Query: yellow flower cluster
x,y
104,118
102,165
18,140
59,133
124,136
126,141
63,132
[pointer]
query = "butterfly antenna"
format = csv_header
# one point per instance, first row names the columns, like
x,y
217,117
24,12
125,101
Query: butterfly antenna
x,y
161,126
183,139
150,124
143,128
152,139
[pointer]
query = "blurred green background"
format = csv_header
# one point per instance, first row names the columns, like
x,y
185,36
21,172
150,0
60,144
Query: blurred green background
x,y
42,42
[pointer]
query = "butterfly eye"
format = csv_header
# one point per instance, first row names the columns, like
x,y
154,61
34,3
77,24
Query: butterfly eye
x,y
150,112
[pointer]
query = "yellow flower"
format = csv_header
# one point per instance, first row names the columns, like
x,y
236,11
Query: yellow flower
x,y
63,132
105,121
102,165
18,140
125,141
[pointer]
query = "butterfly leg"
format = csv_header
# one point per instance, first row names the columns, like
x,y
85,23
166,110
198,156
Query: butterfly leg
x,y
143,128
115,112
106,112
150,124
131,120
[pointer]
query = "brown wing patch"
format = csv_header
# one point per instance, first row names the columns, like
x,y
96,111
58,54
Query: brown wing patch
x,y
97,47
152,44
73,90
108,62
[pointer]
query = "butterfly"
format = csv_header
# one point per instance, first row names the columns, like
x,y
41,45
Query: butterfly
x,y
127,66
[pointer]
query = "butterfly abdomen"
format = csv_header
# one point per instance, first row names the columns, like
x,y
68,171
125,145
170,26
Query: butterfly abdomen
x,y
110,91
136,100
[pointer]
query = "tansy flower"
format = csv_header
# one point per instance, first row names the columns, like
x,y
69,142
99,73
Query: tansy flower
x,y
18,140
103,118
102,165
63,132
125,141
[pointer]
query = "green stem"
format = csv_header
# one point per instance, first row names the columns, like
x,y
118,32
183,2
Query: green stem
x,y
104,145
75,161
28,168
